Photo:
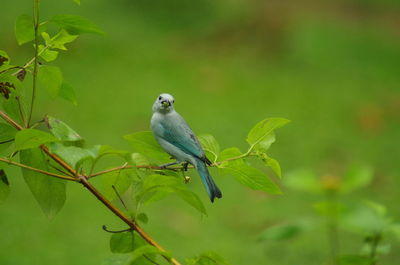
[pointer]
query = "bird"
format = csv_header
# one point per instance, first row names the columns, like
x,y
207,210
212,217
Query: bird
x,y
177,139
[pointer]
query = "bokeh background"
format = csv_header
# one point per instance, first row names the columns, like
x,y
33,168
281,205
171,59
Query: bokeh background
x,y
332,67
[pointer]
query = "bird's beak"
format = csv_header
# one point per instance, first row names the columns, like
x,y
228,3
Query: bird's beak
x,y
166,103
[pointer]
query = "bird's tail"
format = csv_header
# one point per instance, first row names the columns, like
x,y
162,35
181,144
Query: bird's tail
x,y
212,189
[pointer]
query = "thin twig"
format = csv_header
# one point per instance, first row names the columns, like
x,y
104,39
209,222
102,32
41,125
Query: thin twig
x,y
37,170
115,232
7,141
35,65
20,110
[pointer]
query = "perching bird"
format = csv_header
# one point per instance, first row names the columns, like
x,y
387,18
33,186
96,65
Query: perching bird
x,y
177,139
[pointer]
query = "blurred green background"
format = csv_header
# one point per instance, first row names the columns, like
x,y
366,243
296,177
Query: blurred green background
x,y
332,67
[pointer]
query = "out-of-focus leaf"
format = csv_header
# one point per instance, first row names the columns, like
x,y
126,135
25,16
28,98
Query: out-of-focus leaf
x,y
356,177
302,180
78,2
4,186
146,144
76,24
118,259
365,220
31,138
24,31
207,258
281,232
122,242
331,209
49,192
50,78
67,92
210,144
121,180
261,135
354,260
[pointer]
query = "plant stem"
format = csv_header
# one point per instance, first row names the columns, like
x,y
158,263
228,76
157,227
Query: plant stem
x,y
35,64
374,245
37,170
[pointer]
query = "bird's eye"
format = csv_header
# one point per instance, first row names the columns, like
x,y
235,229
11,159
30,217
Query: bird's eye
x,y
159,98
173,101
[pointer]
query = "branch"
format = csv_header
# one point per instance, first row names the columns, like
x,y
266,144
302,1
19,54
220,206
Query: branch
x,y
35,65
215,164
84,181
37,170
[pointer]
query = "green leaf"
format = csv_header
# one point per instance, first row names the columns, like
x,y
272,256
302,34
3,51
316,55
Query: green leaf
x,y
7,132
230,153
281,232
304,180
191,198
50,78
4,60
122,242
207,258
121,180
156,187
73,155
118,259
31,138
67,92
24,31
47,54
209,144
78,2
147,250
49,192
146,144
354,260
356,177
142,217
365,220
245,174
261,135
252,178
60,39
272,163
4,186
61,130
76,24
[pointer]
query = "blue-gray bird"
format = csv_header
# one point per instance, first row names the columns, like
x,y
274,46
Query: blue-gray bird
x,y
177,139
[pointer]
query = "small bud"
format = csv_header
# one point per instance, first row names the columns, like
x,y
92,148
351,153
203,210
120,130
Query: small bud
x,y
187,179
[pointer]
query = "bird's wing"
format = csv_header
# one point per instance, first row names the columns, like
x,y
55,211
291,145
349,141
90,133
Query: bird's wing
x,y
177,132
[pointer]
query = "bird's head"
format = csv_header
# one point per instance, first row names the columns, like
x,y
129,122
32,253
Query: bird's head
x,y
164,103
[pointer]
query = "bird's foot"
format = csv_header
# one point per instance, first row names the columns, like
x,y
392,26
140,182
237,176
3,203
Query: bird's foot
x,y
164,166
